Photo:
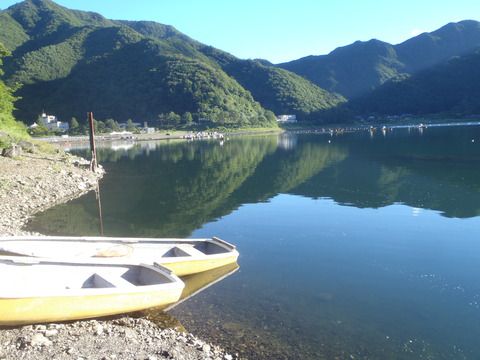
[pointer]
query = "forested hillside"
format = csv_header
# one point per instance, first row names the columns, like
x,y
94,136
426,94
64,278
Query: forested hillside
x,y
8,125
69,62
356,69
278,90
451,88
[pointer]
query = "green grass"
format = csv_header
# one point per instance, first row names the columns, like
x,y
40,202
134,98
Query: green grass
x,y
11,132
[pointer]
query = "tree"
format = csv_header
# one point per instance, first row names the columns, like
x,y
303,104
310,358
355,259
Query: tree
x,y
39,130
172,118
112,125
99,126
7,121
74,126
161,120
130,125
187,118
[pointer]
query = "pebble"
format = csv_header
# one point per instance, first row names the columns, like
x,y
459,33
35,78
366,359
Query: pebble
x,y
50,333
39,339
99,330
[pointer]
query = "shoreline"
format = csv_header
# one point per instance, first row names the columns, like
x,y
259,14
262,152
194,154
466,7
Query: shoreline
x,y
34,182
295,129
173,135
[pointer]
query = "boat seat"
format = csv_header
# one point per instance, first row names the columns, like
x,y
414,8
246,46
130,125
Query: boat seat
x,y
115,280
182,250
190,250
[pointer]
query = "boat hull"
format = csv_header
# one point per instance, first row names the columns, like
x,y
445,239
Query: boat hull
x,y
190,267
42,290
64,308
182,256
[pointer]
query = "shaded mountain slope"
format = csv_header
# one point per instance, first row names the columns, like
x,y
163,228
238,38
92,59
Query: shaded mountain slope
x,y
356,69
452,88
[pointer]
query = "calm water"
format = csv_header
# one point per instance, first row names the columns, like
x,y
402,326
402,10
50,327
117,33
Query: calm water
x,y
351,246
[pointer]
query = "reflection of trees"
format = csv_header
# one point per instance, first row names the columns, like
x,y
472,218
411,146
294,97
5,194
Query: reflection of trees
x,y
425,172
311,159
172,189
170,192
284,170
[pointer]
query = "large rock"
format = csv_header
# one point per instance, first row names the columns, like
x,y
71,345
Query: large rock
x,y
27,146
12,152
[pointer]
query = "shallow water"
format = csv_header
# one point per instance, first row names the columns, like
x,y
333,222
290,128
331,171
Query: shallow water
x,y
352,246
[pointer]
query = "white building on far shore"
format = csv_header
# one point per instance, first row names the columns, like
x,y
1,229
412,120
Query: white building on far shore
x,y
287,118
51,123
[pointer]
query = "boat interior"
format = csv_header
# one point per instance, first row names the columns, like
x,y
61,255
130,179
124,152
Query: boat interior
x,y
210,248
58,248
51,276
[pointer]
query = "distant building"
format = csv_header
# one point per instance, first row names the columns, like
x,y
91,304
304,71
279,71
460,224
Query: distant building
x,y
146,129
287,118
51,123
123,135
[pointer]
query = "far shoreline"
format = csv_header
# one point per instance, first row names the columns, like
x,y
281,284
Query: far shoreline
x,y
287,128
159,135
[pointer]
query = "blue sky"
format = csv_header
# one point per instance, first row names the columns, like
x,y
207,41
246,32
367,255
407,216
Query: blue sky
x,y
280,30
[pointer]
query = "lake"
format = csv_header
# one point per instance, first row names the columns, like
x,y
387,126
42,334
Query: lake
x,y
357,246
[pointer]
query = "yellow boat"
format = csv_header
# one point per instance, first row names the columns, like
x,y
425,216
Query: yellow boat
x,y
38,291
182,256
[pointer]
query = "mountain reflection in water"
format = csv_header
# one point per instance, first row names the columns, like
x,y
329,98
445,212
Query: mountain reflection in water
x,y
160,189
355,245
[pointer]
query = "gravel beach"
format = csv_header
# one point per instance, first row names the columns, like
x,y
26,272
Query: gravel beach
x,y
33,182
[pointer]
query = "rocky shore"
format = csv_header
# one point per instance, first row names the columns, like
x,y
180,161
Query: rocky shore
x,y
36,181
124,338
33,181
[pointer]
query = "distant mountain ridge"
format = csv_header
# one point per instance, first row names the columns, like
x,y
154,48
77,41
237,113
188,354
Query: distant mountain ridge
x,y
71,61
356,69
451,88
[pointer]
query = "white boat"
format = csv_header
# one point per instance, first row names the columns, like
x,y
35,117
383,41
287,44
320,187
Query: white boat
x,y
40,290
182,256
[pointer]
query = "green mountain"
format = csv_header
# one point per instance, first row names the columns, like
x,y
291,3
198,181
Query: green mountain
x,y
357,69
350,70
70,62
451,88
276,89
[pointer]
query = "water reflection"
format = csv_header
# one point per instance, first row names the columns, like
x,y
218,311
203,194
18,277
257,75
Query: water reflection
x,y
437,171
194,284
341,252
170,189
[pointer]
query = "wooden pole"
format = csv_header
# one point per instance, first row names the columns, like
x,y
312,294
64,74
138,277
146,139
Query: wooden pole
x,y
93,150
99,203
